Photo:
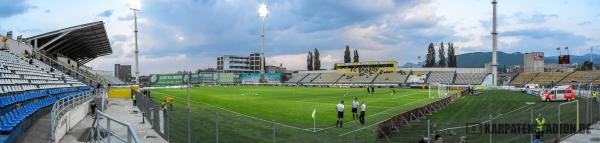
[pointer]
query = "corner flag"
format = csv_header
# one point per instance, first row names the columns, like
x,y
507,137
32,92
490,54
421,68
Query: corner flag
x,y
314,120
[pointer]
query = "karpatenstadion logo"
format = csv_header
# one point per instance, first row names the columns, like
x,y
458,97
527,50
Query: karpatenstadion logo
x,y
517,128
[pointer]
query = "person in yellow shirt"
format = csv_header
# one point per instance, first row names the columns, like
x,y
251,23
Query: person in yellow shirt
x,y
539,125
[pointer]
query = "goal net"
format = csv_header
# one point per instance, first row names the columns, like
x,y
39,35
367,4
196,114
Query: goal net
x,y
438,90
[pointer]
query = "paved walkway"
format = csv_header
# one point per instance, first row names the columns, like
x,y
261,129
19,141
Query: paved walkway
x,y
592,137
39,131
123,110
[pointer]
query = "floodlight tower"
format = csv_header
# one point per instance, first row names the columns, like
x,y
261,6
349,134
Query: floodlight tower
x,y
263,12
494,65
135,31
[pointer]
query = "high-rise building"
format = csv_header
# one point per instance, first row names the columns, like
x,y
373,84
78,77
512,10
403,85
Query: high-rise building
x,y
534,62
123,72
239,64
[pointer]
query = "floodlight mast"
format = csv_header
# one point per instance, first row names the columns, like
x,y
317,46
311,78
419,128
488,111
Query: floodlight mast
x,y
263,12
494,65
135,31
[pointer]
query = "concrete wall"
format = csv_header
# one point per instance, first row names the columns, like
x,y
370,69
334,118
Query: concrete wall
x,y
70,119
17,47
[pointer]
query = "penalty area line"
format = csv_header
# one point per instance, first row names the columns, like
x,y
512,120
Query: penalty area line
x,y
252,117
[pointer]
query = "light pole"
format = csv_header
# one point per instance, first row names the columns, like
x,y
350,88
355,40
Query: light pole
x,y
494,46
186,78
418,61
263,12
135,31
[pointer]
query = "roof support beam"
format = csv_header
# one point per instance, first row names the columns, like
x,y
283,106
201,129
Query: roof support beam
x,y
53,40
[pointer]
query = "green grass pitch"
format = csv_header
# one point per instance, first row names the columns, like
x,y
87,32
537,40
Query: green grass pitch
x,y
255,114
289,107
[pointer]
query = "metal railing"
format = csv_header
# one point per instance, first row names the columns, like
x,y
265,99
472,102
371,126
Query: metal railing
x,y
62,106
84,75
99,130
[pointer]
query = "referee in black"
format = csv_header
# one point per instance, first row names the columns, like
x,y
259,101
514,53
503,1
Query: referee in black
x,y
340,110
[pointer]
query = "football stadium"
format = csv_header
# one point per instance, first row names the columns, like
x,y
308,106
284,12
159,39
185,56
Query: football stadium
x,y
93,79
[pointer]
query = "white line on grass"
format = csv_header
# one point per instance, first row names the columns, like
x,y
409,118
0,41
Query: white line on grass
x,y
497,116
405,95
294,127
379,121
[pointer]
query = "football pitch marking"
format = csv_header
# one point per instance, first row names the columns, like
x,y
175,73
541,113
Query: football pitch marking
x,y
299,128
379,121
497,116
294,127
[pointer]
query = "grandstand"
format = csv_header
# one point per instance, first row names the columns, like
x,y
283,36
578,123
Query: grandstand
x,y
310,77
327,78
469,78
581,77
417,77
361,78
524,78
391,78
445,77
548,78
27,89
297,77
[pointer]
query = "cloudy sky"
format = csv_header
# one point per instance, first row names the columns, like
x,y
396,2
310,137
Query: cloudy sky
x,y
189,34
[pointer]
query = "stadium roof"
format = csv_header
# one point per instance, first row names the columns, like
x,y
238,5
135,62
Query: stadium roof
x,y
81,43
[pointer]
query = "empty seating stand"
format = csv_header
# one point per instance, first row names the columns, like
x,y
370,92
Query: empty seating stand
x,y
581,77
445,77
363,78
391,78
310,77
327,78
417,77
547,78
26,88
297,77
470,78
523,78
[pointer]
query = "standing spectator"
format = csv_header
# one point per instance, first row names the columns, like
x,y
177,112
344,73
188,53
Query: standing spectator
x,y
539,125
355,108
372,89
363,108
93,108
133,97
340,115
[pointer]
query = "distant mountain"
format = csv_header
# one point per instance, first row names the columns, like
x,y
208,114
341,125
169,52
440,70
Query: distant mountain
x,y
479,59
574,59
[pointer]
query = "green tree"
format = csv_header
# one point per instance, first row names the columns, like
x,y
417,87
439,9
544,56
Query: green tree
x,y
451,56
356,56
430,57
442,54
587,65
309,61
347,58
316,60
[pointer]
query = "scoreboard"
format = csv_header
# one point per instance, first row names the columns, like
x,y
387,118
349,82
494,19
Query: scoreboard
x,y
564,59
